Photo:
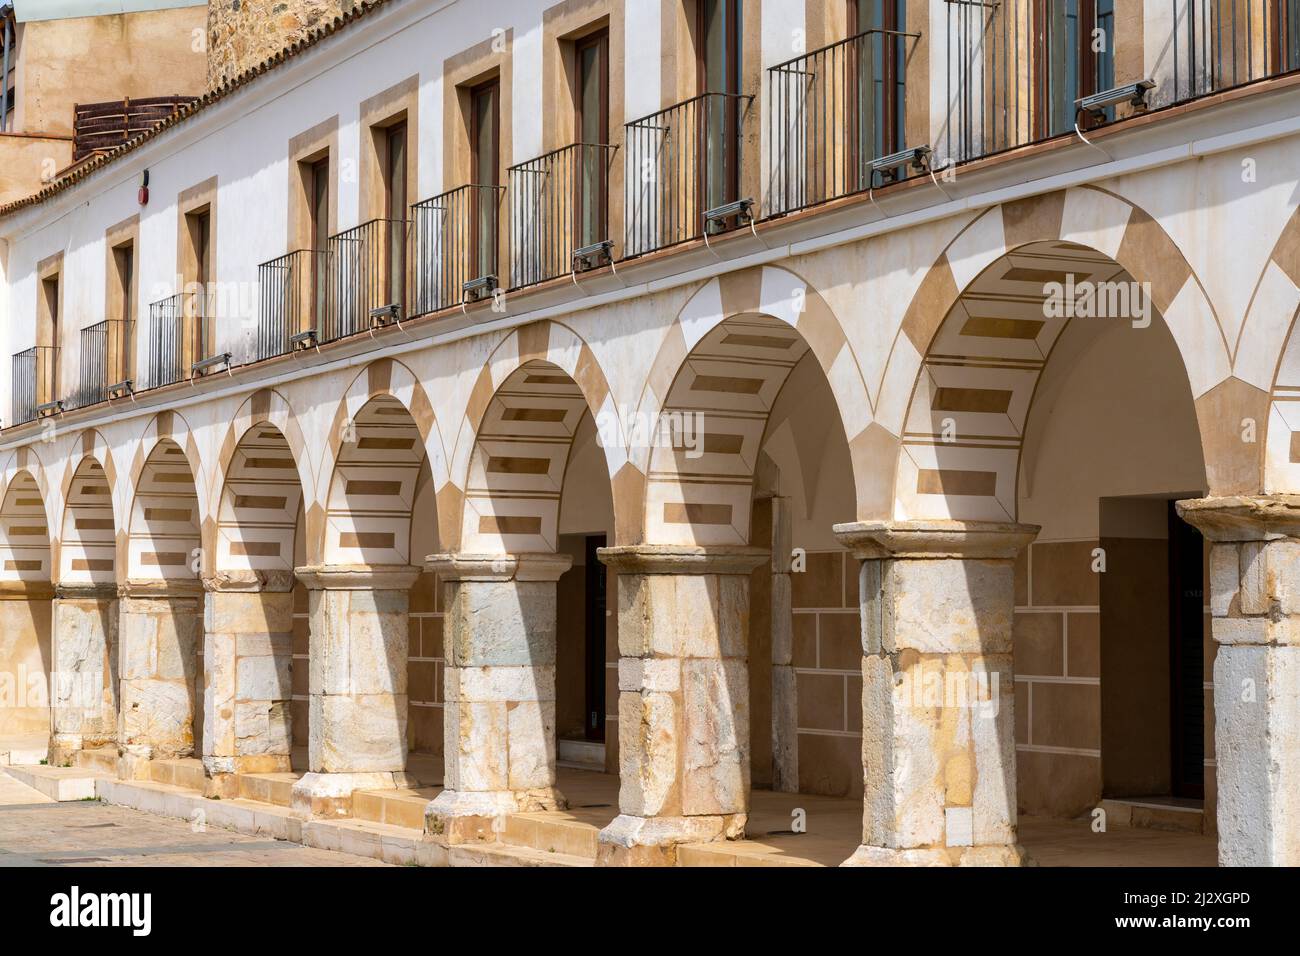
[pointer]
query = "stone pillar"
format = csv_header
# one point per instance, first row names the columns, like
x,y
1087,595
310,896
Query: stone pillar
x,y
357,683
84,670
158,632
247,654
499,691
1255,608
683,709
785,719
938,742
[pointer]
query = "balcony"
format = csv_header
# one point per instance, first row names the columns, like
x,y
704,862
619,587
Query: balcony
x,y
294,299
35,383
832,113
366,267
454,244
182,339
681,162
107,350
559,204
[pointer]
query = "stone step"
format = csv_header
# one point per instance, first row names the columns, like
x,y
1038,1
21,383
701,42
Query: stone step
x,y
1154,814
275,789
738,853
185,772
504,854
403,807
62,784
551,832
103,759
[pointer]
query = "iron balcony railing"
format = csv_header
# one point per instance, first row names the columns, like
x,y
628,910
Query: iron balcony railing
x,y
294,297
454,241
831,112
367,278
106,351
681,161
559,203
1016,68
35,381
182,339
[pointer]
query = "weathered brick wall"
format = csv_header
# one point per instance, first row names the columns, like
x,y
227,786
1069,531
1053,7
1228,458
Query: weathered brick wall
x,y
243,33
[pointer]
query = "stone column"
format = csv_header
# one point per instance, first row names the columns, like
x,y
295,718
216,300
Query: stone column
x,y
938,742
357,683
683,709
247,653
1255,608
84,670
785,719
499,690
158,632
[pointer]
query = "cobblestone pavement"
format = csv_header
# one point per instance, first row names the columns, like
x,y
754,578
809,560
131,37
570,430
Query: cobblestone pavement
x,y
36,832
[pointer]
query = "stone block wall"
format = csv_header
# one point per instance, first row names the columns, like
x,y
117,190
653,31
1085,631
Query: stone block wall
x,y
25,658
244,33
827,659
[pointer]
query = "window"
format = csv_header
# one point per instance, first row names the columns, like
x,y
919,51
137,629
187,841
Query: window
x,y
1074,56
878,68
8,71
47,340
484,147
719,37
395,203
318,224
120,358
591,121
198,306
1285,34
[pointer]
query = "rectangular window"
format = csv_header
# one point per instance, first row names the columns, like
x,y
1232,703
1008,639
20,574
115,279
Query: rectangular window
x,y
120,346
319,225
198,307
592,125
47,335
396,199
1074,56
484,145
720,29
878,71
1284,34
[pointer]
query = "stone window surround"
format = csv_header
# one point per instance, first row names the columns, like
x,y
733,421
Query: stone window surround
x,y
397,104
308,147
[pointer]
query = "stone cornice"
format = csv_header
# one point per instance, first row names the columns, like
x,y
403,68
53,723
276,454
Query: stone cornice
x,y
682,559
249,581
358,577
1243,517
161,587
85,591
935,539
526,566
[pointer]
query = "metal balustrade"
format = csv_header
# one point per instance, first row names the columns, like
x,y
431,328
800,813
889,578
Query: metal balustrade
x,y
367,277
294,297
558,204
454,241
34,382
681,161
106,353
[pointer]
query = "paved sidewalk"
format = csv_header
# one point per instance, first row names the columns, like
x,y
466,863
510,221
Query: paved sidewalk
x,y
36,832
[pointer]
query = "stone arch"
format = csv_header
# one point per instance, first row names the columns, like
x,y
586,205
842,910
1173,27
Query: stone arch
x,y
1270,325
26,552
369,417
166,525
264,481
729,353
954,352
516,436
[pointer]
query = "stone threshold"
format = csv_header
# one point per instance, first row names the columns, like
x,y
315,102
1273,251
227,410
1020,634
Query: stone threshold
x,y
1155,813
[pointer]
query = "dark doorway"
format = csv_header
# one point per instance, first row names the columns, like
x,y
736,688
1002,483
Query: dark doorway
x,y
594,721
1186,658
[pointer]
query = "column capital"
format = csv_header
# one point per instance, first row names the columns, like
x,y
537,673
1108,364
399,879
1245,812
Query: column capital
x,y
160,587
254,581
940,538
682,558
1243,517
524,566
358,577
85,591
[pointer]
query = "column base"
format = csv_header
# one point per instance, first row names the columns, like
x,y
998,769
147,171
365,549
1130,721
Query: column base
x,y
329,795
64,748
1005,855
455,817
653,841
133,762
